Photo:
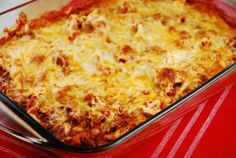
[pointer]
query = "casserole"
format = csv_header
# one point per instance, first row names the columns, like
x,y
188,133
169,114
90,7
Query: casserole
x,y
228,71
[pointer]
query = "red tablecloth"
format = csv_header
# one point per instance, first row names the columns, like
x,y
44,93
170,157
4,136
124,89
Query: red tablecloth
x,y
208,131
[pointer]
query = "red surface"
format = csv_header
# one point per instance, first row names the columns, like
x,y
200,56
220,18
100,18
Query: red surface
x,y
208,131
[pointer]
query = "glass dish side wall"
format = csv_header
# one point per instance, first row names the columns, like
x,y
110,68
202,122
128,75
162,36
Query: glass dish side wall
x,y
150,127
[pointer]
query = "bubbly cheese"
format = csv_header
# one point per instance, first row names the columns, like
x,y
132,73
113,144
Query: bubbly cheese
x,y
90,77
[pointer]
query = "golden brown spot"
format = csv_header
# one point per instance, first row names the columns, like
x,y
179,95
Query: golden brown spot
x,y
74,35
89,97
62,60
172,29
157,16
88,27
184,35
203,78
182,19
126,49
164,21
31,102
106,112
134,28
121,60
95,131
202,33
145,92
124,9
105,70
110,137
100,24
167,74
205,44
4,79
38,59
232,44
4,75
108,39
63,96
79,23
179,43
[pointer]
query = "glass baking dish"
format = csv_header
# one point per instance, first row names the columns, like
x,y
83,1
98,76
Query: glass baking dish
x,y
17,122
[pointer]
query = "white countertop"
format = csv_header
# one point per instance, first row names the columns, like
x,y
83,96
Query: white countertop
x,y
7,4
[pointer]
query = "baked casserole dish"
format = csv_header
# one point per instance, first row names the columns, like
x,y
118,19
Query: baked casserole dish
x,y
92,74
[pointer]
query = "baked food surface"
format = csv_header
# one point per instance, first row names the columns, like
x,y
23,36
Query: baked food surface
x,y
91,75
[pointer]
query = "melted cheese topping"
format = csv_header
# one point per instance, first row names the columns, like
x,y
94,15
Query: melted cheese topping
x,y
93,76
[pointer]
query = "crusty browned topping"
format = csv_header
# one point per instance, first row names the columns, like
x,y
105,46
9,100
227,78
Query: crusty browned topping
x,y
157,16
4,78
126,49
184,35
232,44
62,60
38,59
166,75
